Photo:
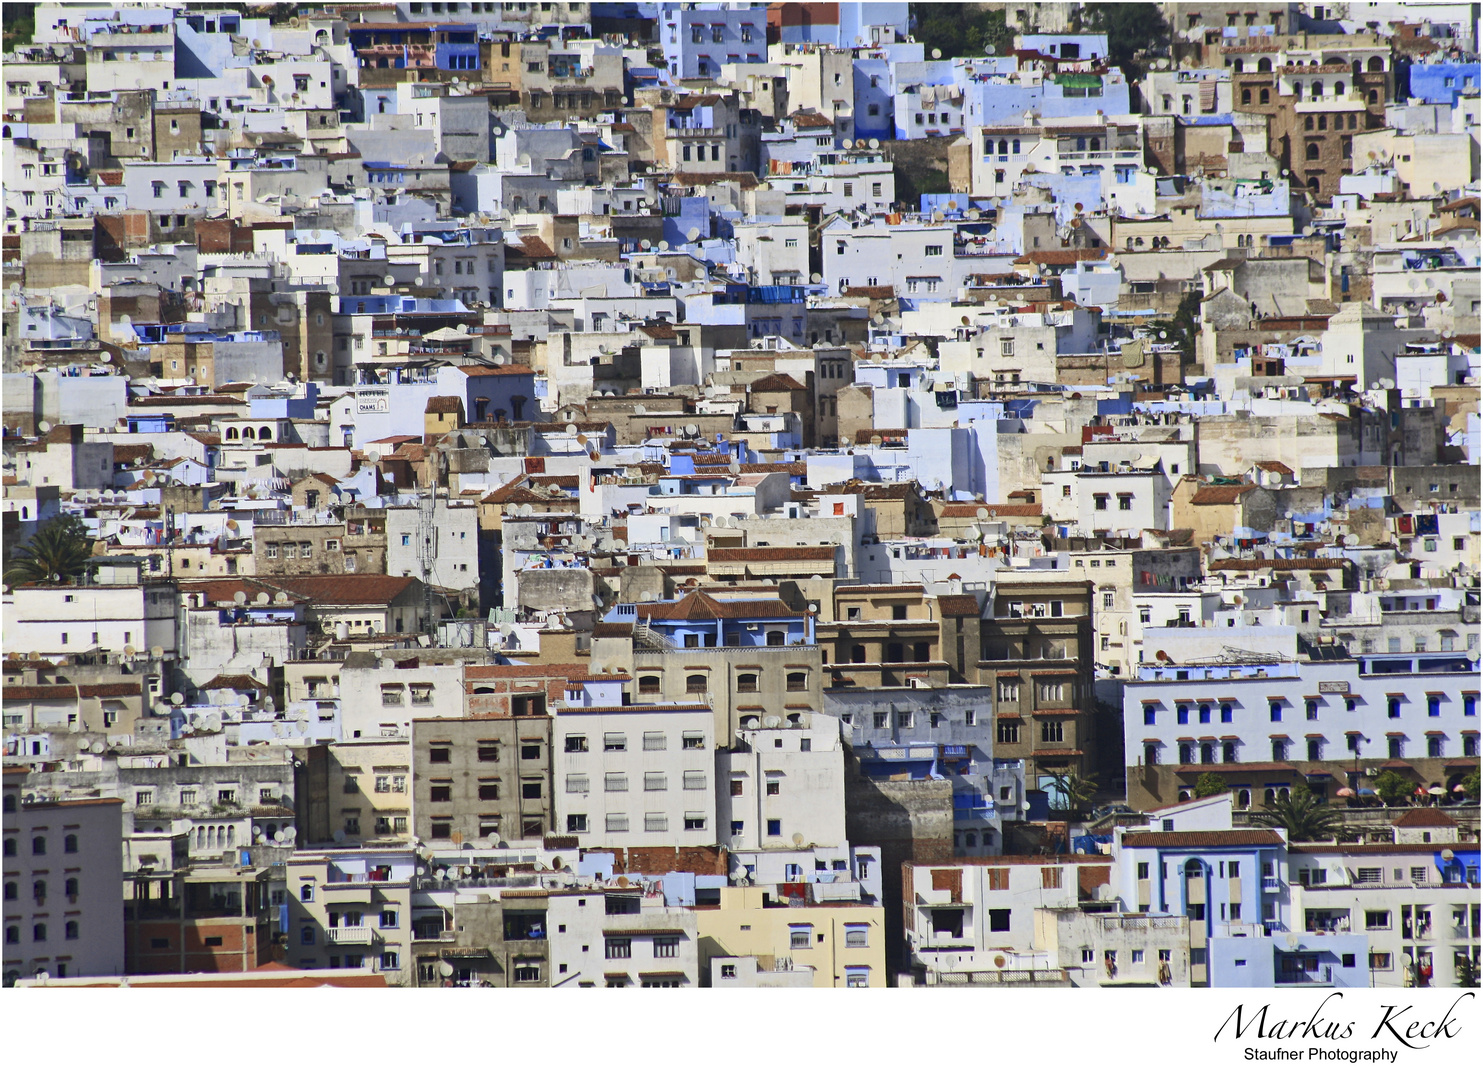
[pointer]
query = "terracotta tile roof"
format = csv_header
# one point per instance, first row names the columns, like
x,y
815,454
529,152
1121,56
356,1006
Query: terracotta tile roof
x,y
313,588
970,510
1201,838
1220,494
793,468
652,861
810,120
442,403
131,453
964,606
770,554
699,605
50,692
1274,466
1425,817
110,689
1062,257
1279,564
871,292
533,247
234,682
775,383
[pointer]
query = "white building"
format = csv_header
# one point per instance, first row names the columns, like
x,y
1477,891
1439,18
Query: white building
x,y
783,784
633,775
618,937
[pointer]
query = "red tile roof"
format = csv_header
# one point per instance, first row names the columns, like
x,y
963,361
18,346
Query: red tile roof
x,y
1201,838
1425,817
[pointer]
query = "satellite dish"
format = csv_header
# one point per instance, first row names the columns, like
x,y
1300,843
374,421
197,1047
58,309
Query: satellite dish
x,y
161,708
664,245
445,969
738,876
875,144
239,597
290,832
1448,854
645,597
693,235
388,280
644,245
937,54
816,278
798,839
280,597
848,144
177,699
772,721
622,882
982,514
417,280
339,836
262,598
571,429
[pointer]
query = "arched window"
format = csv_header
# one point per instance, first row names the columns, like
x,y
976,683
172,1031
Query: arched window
x,y
1238,65
695,684
746,682
11,891
38,890
70,929
1313,184
1317,90
70,888
797,680
69,843
1266,96
648,684
1096,144
1243,798
1375,64
265,434
38,932
1308,123
1246,96
1339,88
1003,146
1297,91
12,937
231,836
775,637
1016,146
1374,98
1312,152
1264,64
38,845
200,836
231,433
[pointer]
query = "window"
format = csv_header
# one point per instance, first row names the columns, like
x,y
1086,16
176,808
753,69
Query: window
x,y
1377,920
693,740
801,936
655,740
616,823
998,920
38,845
441,791
774,827
656,823
440,755
576,823
489,790
797,681
614,742
576,744
69,843
618,948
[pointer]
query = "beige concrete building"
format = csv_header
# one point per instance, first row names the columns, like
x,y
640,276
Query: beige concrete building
x,y
843,944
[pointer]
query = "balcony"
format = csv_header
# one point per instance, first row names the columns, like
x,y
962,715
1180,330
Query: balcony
x,y
1055,977
1322,977
352,935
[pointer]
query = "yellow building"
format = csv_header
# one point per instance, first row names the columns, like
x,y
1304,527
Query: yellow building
x,y
843,943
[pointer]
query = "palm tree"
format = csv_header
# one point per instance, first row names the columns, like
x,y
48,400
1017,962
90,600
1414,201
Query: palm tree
x,y
57,554
1077,791
1303,816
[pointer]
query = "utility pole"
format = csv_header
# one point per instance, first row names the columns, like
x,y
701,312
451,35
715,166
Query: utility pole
x,y
426,551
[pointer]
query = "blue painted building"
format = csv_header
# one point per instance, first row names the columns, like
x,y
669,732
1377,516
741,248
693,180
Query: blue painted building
x,y
700,620
1440,84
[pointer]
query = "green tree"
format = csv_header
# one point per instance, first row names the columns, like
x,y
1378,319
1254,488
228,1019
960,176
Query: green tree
x,y
1303,816
961,30
1077,791
1131,29
58,553
1393,788
1210,784
1470,786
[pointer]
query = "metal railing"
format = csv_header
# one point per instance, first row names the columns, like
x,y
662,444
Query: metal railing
x,y
1055,977
352,935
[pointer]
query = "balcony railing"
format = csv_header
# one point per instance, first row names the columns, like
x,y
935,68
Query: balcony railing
x,y
353,935
998,978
